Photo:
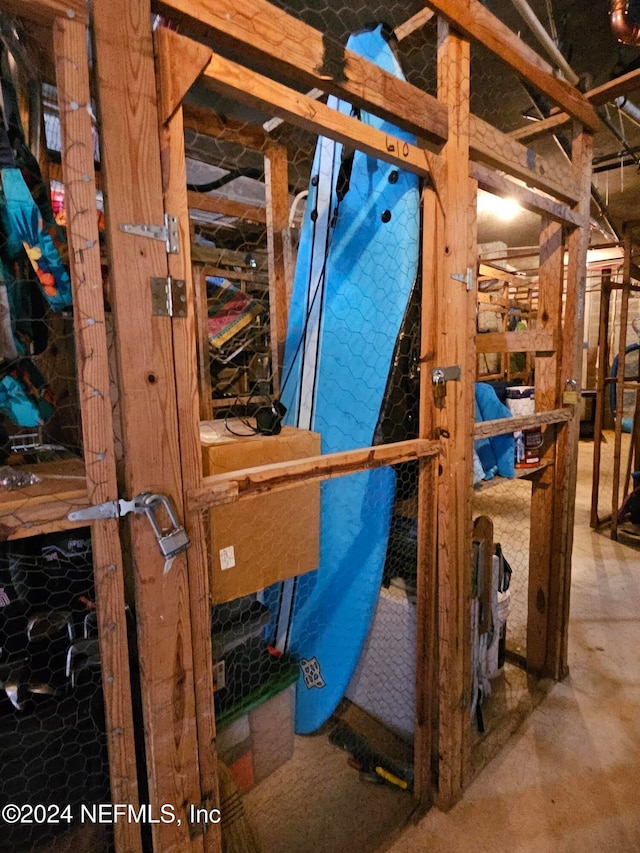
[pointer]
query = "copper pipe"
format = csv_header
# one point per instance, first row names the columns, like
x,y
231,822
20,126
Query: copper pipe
x,y
624,31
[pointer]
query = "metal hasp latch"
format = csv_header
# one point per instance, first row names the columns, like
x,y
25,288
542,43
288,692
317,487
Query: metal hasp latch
x,y
439,377
172,541
468,278
167,233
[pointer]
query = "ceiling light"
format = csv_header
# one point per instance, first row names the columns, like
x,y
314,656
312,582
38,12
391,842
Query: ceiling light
x,y
503,208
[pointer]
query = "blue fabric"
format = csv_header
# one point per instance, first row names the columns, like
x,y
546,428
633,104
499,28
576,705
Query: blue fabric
x,y
497,454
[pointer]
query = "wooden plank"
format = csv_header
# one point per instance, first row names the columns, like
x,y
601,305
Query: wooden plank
x,y
226,207
145,369
284,45
415,22
535,130
547,396
180,63
491,181
499,151
254,90
472,19
485,429
185,335
454,345
46,11
603,364
530,340
427,688
276,176
567,445
490,271
247,482
72,80
209,123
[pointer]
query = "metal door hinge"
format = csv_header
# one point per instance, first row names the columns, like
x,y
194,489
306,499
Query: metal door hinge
x,y
468,278
168,297
167,233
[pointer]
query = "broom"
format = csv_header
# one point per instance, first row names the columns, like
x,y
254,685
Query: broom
x,y
237,835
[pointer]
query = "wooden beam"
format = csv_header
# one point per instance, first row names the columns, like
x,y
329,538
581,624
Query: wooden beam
x,y
491,181
286,46
427,686
536,129
209,123
276,175
180,63
567,446
416,22
499,151
472,19
600,403
530,340
454,418
245,483
254,90
547,396
124,65
491,272
486,429
226,207
72,79
185,334
46,11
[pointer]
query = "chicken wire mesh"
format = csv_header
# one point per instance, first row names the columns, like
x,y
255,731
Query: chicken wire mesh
x,y
52,721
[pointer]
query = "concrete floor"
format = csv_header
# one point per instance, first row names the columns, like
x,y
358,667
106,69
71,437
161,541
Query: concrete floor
x,y
568,779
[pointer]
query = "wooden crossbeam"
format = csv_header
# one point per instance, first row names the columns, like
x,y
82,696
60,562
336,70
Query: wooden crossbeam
x,y
473,20
226,207
525,341
209,123
46,11
502,426
227,488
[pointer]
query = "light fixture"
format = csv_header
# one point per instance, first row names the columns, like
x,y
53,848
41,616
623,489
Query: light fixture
x,y
502,208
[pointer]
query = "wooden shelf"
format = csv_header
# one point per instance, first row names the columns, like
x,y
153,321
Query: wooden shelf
x,y
44,507
521,474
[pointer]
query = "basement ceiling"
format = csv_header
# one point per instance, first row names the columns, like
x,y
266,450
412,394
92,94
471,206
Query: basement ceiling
x,y
583,35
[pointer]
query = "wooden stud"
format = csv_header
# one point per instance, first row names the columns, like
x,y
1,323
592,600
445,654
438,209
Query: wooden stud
x,y
226,207
456,328
46,11
72,78
276,171
547,397
147,383
185,334
416,22
532,340
619,383
603,366
567,445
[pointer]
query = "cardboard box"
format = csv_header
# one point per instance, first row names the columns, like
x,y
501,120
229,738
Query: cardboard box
x,y
267,538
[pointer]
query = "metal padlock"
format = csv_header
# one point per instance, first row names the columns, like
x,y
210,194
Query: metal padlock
x,y
570,393
174,539
439,385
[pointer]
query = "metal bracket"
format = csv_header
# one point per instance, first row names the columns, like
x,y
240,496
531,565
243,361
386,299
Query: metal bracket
x,y
452,373
108,509
167,233
168,297
468,278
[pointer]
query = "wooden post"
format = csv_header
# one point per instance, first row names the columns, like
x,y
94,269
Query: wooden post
x,y
456,310
126,89
74,99
276,170
172,49
601,391
425,741
622,351
547,397
567,444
